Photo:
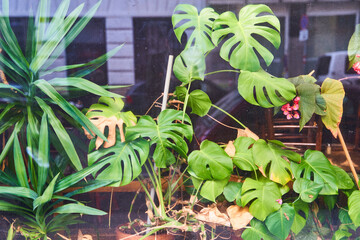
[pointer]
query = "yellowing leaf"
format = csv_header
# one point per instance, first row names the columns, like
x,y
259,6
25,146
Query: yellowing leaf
x,y
213,216
230,149
333,93
106,116
239,217
247,133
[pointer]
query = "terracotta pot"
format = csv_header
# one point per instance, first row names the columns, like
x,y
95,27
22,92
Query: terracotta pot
x,y
126,236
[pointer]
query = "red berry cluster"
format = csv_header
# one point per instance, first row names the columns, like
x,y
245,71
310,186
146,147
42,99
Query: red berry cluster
x,y
290,111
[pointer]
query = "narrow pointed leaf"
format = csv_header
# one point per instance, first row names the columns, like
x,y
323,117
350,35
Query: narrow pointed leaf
x,y
45,51
19,163
19,191
47,194
61,133
43,154
10,141
58,19
77,208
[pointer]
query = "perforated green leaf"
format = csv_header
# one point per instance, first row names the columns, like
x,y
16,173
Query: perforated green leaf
x,y
262,196
280,222
243,158
190,65
210,162
167,133
317,168
201,23
269,158
252,21
307,189
258,231
125,158
269,90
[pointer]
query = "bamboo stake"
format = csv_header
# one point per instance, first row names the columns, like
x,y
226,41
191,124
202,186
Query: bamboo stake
x,y
348,158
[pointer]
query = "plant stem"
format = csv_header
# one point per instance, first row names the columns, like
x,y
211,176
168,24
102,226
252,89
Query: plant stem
x,y
231,116
186,102
197,192
221,71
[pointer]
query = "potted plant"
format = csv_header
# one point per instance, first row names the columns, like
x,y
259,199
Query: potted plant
x,y
279,190
39,148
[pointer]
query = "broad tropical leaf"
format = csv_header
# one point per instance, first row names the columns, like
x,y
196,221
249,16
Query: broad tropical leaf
x,y
299,221
270,91
201,23
343,178
263,195
106,114
190,65
166,133
252,20
211,189
210,162
354,47
280,222
232,192
125,158
268,157
354,207
333,93
307,189
317,168
198,100
243,157
258,231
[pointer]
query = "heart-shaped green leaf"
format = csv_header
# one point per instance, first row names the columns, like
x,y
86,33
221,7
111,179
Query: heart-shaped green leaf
x,y
317,168
253,20
301,209
354,207
202,25
270,91
258,231
125,158
210,189
232,192
210,162
198,100
243,158
190,65
343,178
280,222
269,158
333,93
307,189
166,133
354,46
263,195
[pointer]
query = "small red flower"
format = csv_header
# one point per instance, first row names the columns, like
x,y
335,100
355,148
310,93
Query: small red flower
x,y
289,116
296,115
356,67
290,111
279,201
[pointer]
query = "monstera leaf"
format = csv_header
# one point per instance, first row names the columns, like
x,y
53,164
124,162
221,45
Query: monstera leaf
x,y
280,222
190,65
202,25
354,47
307,189
258,231
263,195
232,192
343,178
301,209
126,160
269,158
317,168
270,91
333,93
354,207
210,189
199,101
249,23
243,157
106,114
167,133
210,162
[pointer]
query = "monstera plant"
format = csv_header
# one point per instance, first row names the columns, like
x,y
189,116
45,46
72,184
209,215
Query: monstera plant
x,y
34,113
279,188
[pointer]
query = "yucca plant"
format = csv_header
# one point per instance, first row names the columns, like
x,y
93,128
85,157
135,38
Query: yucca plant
x,y
28,100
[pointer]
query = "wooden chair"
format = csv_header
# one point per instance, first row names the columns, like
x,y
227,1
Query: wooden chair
x,y
287,131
